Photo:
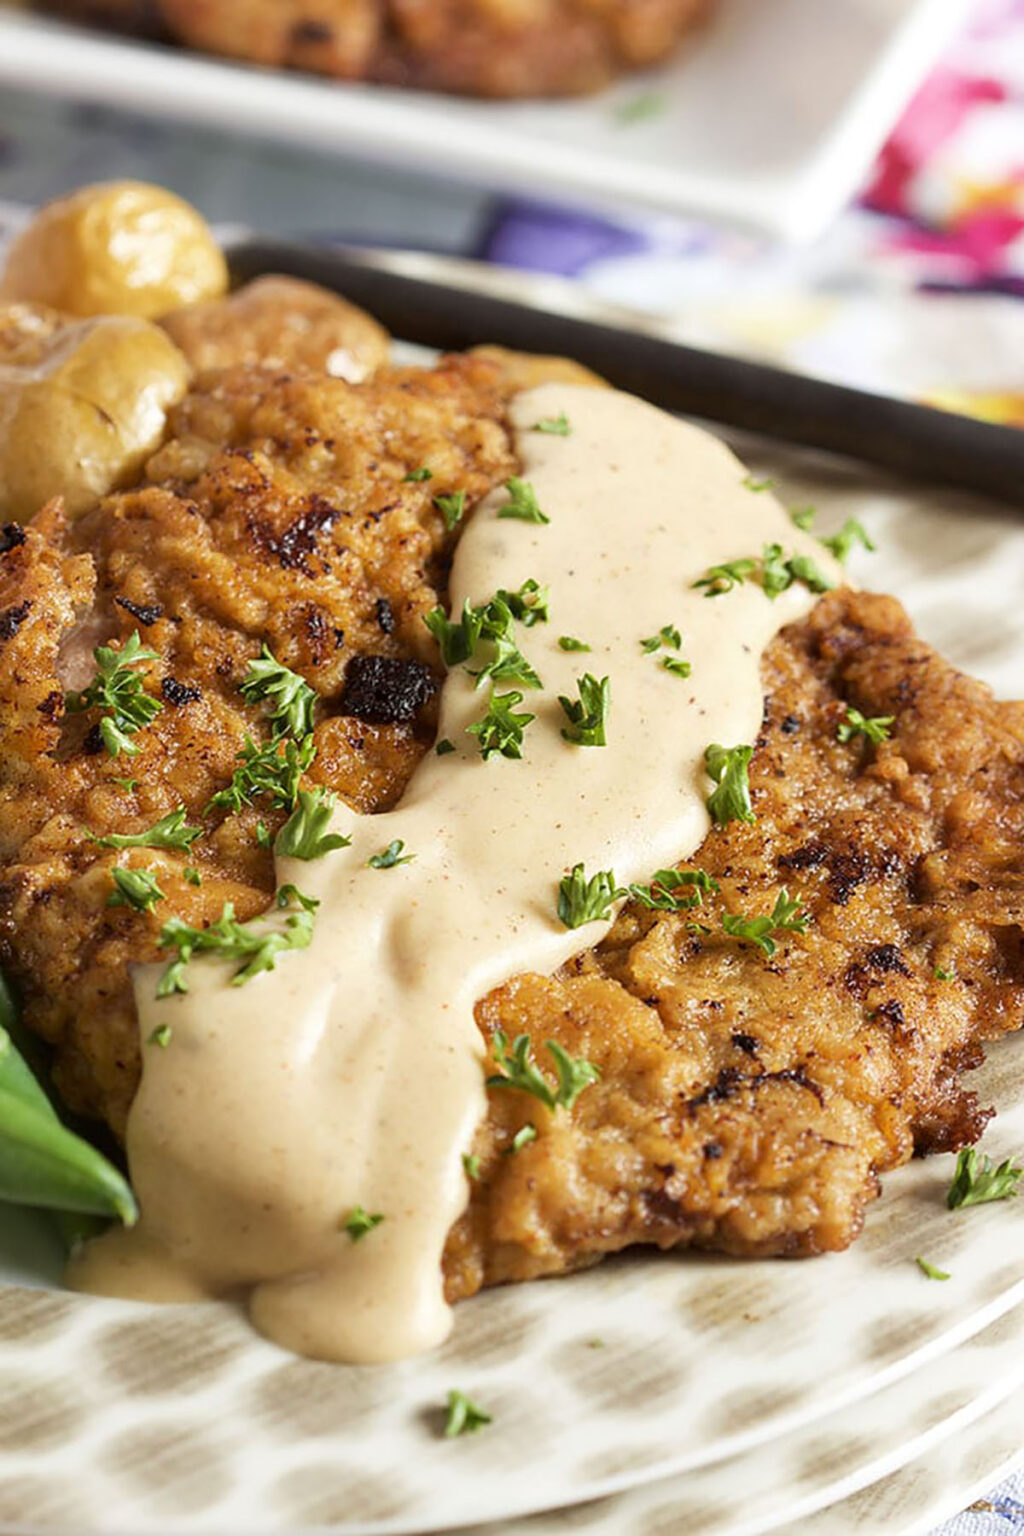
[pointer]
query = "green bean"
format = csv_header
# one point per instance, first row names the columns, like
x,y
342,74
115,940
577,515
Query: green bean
x,y
41,1162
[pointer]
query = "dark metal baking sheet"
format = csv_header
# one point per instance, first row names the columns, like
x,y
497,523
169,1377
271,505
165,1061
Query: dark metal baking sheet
x,y
913,440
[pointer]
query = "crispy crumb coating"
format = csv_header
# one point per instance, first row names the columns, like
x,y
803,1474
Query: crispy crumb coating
x,y
470,47
745,1104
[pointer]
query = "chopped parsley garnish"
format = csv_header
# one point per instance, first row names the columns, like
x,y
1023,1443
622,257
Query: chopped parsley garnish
x,y
638,109
451,508
254,948
588,715
416,475
305,835
444,747
583,901
676,665
169,832
930,1271
160,1036
570,643
457,640
391,856
529,605
720,579
464,1417
289,698
944,974
668,635
750,484
135,888
555,426
777,574
675,890
878,728
192,875
128,785
522,502
358,1222
803,518
517,1071
785,917
263,834
471,1163
522,1138
492,621
729,767
121,692
501,730
274,769
851,533
978,1181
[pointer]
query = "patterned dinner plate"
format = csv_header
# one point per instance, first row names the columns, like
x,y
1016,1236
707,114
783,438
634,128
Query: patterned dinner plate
x,y
119,1417
823,1465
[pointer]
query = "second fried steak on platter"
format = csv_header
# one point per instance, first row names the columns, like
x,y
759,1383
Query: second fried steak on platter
x,y
746,1104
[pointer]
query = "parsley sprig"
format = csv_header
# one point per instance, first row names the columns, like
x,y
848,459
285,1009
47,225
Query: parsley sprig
x,y
136,888
359,1221
170,831
274,769
289,698
877,728
252,945
850,534
729,768
391,856
492,622
587,715
785,917
305,835
675,890
583,901
776,571
463,1417
555,426
668,635
518,1071
452,508
522,502
978,1181
121,692
501,730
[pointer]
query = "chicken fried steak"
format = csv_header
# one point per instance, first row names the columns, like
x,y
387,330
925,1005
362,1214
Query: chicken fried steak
x,y
747,1101
471,47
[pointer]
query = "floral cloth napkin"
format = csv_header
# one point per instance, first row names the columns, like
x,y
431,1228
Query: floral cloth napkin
x,y
917,290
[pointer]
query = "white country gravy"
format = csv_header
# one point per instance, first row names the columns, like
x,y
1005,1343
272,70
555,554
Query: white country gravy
x,y
353,1074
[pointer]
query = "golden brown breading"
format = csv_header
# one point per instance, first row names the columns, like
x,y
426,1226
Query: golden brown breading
x,y
281,323
746,1103
472,47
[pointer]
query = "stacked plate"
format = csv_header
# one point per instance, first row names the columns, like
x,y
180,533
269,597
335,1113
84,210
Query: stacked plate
x,y
655,1394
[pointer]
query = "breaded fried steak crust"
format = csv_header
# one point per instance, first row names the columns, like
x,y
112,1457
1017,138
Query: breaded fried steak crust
x,y
471,47
746,1102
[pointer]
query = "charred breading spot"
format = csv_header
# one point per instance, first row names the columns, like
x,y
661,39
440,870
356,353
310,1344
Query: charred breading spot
x,y
318,633
299,540
312,32
383,690
810,856
729,1081
385,615
745,1043
146,613
11,619
11,536
52,704
886,958
176,694
789,725
846,871
891,1012
713,1150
